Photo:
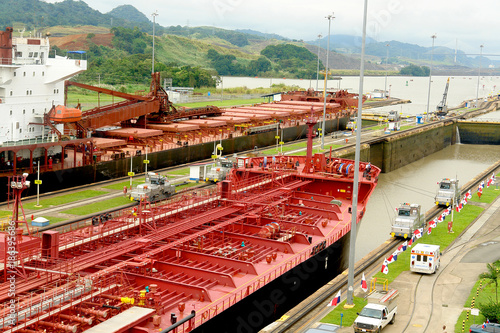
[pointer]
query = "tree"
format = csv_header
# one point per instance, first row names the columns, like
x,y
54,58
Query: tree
x,y
492,275
260,65
414,70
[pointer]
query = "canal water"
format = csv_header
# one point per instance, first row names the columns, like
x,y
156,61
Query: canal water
x,y
416,89
417,183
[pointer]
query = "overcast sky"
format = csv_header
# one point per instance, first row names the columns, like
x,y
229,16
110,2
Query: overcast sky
x,y
471,23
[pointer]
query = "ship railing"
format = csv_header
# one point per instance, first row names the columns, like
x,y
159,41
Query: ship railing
x,y
56,298
5,61
27,142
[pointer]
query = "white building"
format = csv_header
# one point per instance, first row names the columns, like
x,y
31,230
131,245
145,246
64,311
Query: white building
x,y
30,84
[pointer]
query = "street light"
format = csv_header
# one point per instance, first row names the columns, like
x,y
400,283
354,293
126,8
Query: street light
x,y
354,210
386,68
479,75
430,76
317,71
323,132
155,14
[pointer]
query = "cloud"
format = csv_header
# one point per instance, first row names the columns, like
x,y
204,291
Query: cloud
x,y
402,20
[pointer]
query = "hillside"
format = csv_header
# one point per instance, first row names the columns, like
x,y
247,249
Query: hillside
x,y
81,41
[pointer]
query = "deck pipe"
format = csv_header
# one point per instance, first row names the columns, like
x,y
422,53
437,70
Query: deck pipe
x,y
67,328
81,320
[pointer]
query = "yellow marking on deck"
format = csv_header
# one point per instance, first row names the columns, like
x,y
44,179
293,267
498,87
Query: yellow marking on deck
x,y
283,318
416,325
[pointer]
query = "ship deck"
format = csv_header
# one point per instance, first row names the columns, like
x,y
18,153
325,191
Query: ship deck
x,y
203,252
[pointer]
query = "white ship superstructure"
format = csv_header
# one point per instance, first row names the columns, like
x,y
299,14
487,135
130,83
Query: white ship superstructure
x,y
30,84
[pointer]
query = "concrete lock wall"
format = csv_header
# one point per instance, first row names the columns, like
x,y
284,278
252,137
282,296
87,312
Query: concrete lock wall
x,y
482,133
408,147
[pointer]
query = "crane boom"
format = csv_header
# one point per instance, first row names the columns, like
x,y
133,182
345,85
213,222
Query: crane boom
x,y
442,109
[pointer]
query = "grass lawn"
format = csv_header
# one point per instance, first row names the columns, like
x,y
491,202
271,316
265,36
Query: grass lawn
x,y
120,186
225,103
489,194
349,315
97,207
439,236
53,219
178,188
179,172
64,199
297,146
4,213
482,295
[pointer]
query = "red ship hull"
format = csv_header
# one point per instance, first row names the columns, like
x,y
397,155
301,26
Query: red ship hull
x,y
240,256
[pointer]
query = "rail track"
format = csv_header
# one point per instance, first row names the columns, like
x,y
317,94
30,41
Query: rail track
x,y
314,310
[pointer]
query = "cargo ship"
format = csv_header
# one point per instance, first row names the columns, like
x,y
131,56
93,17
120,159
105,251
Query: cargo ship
x,y
72,146
229,259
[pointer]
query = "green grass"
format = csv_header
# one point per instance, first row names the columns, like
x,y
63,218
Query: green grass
x,y
485,295
224,103
349,315
5,213
97,207
120,186
489,194
178,188
179,172
439,236
64,199
53,219
297,146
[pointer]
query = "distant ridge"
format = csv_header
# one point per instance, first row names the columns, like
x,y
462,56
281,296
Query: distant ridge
x,y
262,34
129,13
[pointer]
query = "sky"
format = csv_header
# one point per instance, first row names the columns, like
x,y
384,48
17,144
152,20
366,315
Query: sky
x,y
465,23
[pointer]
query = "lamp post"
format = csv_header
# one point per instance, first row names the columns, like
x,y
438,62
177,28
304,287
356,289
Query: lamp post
x,y
317,71
479,75
386,69
323,132
155,14
430,77
354,210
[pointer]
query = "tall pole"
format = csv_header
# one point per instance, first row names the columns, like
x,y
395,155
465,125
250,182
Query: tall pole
x,y
131,171
146,162
155,14
317,71
354,215
386,69
38,185
329,17
479,75
430,77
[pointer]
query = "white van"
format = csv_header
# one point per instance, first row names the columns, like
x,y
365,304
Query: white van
x,y
425,258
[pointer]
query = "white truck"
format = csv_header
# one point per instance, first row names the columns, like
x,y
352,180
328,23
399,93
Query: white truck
x,y
394,120
220,170
448,193
408,219
381,310
425,258
157,187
